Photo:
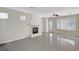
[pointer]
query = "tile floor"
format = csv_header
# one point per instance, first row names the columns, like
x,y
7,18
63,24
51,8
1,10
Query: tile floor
x,y
46,42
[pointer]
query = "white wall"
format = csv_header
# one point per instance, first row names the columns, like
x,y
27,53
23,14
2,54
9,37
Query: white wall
x,y
45,24
13,28
37,21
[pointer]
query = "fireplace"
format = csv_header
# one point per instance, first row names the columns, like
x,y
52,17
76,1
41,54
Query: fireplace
x,y
35,30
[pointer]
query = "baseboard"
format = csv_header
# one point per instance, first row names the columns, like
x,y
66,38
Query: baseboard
x,y
13,40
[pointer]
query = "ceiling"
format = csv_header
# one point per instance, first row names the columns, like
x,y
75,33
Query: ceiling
x,y
48,11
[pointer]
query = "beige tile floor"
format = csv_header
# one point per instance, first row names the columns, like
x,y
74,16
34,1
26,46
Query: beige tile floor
x,y
46,42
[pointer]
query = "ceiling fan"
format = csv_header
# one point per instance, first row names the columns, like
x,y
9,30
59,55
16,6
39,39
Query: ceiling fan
x,y
53,14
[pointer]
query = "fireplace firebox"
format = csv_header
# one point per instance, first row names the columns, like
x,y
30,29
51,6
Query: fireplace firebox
x,y
35,30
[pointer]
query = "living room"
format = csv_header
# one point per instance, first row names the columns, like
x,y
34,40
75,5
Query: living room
x,y
39,28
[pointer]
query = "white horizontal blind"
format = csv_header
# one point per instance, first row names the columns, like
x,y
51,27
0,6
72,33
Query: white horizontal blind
x,y
66,24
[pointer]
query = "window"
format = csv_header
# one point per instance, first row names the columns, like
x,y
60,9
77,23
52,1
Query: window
x,y
23,18
66,24
3,15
